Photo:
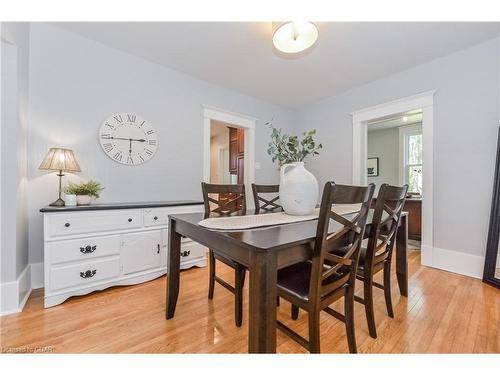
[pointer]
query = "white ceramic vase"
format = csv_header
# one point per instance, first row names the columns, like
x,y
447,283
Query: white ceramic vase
x,y
70,199
298,189
83,200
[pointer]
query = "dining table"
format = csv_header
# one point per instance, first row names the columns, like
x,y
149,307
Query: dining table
x,y
263,250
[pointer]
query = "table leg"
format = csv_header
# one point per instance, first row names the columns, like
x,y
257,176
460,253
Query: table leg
x,y
402,256
173,269
263,294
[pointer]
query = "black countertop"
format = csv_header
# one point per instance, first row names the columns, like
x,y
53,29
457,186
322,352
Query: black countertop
x,y
120,206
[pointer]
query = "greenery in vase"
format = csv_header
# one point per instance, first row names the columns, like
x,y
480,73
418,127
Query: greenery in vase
x,y
91,188
286,148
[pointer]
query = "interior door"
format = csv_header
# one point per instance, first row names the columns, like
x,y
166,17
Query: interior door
x,y
142,251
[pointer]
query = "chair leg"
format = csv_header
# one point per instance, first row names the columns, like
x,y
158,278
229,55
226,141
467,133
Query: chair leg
x,y
368,297
314,332
239,278
387,289
349,320
211,280
278,301
295,312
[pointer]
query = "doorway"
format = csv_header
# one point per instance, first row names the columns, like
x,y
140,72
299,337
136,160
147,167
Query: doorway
x,y
394,157
227,153
241,148
423,103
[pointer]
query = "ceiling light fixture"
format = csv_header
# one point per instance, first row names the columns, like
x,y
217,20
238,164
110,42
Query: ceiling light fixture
x,y
294,37
405,118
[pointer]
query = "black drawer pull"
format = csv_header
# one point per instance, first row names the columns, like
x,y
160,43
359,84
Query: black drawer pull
x,y
158,249
155,218
88,249
87,274
66,225
185,253
129,219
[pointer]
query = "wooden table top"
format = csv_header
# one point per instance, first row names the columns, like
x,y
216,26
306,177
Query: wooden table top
x,y
264,238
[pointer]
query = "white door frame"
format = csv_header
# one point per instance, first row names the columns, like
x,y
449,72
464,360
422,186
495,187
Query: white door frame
x,y
240,121
360,118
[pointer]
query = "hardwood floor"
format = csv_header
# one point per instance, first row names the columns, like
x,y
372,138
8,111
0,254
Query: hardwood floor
x,y
444,313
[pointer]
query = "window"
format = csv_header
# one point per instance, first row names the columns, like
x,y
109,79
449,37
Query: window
x,y
411,142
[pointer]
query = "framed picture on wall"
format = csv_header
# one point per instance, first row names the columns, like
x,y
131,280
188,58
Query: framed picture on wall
x,y
372,167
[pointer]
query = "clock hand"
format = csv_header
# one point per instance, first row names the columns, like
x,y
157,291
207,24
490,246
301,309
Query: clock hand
x,y
128,139
130,148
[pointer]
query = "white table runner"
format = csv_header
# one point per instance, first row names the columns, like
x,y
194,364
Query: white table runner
x,y
269,219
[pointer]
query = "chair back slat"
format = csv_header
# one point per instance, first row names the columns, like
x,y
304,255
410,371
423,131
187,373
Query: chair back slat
x,y
263,204
330,271
229,198
385,222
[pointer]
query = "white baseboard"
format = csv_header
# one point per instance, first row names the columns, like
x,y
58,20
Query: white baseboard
x,y
14,294
455,261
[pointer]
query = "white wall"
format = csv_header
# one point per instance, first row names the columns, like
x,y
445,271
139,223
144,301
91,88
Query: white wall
x,y
15,44
384,145
466,119
75,83
218,141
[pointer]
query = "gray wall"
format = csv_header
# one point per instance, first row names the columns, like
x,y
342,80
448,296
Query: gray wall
x,y
466,119
75,83
384,144
14,219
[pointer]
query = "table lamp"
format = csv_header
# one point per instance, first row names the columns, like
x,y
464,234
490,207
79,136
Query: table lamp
x,y
62,160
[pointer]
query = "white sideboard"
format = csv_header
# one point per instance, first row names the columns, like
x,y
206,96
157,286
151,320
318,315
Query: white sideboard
x,y
94,247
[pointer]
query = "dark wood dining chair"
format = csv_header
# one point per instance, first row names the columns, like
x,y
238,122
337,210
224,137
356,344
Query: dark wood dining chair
x,y
229,200
314,285
378,253
266,204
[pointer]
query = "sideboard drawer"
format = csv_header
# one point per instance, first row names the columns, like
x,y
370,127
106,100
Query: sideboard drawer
x,y
91,222
83,273
159,216
83,248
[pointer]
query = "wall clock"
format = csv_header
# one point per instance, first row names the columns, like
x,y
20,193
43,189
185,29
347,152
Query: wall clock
x,y
128,139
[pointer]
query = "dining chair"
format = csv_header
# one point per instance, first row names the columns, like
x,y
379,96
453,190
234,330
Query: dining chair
x,y
265,203
315,284
229,199
378,253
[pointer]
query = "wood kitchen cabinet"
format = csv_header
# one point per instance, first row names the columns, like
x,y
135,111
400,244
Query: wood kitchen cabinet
x,y
237,153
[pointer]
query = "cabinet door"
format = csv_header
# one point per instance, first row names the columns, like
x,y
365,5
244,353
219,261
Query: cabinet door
x,y
241,170
241,141
233,154
141,251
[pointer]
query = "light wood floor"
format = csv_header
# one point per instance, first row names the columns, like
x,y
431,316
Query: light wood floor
x,y
444,313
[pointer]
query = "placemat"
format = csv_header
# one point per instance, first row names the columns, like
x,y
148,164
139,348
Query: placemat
x,y
269,219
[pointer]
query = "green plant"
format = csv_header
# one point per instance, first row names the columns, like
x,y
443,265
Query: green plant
x,y
286,148
91,188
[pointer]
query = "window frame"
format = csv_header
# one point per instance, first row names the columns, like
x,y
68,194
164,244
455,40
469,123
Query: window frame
x,y
404,133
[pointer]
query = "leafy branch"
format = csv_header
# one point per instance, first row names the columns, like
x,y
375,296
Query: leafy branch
x,y
286,148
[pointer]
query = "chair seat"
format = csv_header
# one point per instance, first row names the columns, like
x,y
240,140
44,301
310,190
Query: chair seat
x,y
295,279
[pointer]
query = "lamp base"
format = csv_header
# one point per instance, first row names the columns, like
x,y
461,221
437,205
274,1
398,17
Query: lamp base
x,y
58,203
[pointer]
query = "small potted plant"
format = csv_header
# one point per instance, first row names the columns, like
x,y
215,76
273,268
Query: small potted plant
x,y
85,192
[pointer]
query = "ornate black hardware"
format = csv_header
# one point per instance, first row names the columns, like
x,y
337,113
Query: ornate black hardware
x,y
158,252
88,249
185,253
66,225
155,218
87,274
129,219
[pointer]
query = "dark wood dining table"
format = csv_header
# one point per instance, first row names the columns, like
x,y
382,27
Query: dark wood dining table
x,y
264,251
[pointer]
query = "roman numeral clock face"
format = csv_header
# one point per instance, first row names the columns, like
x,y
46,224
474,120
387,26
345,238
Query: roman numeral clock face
x,y
128,139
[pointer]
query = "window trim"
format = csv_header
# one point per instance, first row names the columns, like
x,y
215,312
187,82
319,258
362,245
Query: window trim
x,y
404,132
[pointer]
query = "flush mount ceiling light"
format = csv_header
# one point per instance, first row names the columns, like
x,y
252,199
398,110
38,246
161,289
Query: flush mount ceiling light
x,y
293,37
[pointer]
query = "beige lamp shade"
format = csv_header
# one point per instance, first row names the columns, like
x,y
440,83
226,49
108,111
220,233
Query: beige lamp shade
x,y
60,159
